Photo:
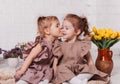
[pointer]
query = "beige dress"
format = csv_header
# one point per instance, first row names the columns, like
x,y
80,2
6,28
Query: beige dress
x,y
73,60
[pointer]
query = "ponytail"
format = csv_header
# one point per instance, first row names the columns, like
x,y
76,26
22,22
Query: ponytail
x,y
85,26
40,19
41,23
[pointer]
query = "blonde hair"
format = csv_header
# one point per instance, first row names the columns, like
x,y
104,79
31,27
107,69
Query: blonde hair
x,y
45,22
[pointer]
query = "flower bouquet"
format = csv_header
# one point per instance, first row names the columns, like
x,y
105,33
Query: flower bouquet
x,y
105,37
13,53
21,45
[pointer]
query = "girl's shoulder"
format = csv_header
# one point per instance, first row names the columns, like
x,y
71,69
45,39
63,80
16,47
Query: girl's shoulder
x,y
84,43
31,44
41,40
38,39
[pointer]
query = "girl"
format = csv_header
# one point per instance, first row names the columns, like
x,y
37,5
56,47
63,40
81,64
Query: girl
x,y
75,62
38,55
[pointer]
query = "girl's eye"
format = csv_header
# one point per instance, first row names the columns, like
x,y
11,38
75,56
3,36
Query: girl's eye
x,y
67,28
57,25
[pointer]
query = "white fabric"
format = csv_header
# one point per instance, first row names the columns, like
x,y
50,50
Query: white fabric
x,y
65,83
22,82
84,76
44,82
80,79
75,80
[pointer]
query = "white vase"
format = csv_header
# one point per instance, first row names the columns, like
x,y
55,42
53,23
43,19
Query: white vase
x,y
12,62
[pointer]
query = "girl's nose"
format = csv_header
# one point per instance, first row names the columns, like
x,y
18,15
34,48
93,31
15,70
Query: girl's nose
x,y
62,29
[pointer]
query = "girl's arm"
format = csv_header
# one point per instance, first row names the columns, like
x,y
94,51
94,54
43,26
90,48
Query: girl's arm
x,y
34,52
57,54
90,60
55,65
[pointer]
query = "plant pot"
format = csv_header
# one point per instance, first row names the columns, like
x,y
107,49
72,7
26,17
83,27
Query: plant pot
x,y
104,61
12,62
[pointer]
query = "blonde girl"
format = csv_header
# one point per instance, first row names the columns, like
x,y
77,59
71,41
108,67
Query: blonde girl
x,y
36,68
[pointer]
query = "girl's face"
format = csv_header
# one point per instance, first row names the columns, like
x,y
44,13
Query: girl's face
x,y
68,31
55,29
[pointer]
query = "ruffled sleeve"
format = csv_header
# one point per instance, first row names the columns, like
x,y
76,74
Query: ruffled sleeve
x,y
57,49
84,46
43,55
29,46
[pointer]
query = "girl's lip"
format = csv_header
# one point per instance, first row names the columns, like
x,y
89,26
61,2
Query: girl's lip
x,y
63,33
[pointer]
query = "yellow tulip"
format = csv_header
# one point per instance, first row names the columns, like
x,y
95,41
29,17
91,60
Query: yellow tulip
x,y
102,33
118,34
112,36
96,37
109,31
99,37
94,29
98,31
106,36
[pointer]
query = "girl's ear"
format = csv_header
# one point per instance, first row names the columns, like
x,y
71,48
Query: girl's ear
x,y
78,32
47,31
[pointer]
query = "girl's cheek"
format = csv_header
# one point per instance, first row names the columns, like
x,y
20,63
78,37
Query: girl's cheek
x,y
62,31
61,34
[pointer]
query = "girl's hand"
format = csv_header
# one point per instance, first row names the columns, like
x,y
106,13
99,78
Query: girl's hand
x,y
19,73
55,65
54,70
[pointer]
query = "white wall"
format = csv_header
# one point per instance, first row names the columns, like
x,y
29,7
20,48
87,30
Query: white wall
x,y
108,13
18,17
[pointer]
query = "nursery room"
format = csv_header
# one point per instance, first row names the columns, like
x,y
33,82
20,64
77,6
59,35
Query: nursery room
x,y
18,25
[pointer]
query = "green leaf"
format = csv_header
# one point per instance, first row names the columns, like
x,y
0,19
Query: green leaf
x,y
97,43
105,43
112,42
